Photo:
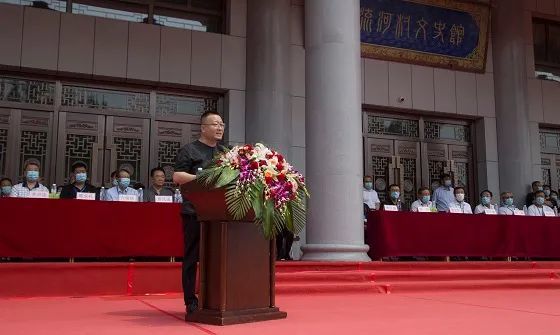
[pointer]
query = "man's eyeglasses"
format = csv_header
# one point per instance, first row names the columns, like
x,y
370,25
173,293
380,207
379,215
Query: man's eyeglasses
x,y
215,125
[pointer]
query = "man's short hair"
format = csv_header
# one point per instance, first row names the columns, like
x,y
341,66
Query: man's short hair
x,y
114,174
393,185
481,193
207,114
503,194
6,178
78,165
154,170
123,170
539,192
368,177
445,175
533,184
459,188
422,189
31,163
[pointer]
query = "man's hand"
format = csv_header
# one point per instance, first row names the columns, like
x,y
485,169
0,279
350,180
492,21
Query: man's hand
x,y
181,178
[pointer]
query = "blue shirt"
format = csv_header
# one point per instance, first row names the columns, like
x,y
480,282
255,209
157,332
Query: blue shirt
x,y
113,193
443,197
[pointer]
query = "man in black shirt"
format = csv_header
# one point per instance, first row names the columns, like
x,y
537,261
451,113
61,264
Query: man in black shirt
x,y
530,198
190,158
80,184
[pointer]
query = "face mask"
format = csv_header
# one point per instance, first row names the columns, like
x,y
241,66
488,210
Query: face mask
x,y
547,193
115,182
447,183
554,197
485,201
460,197
509,202
540,188
368,186
81,177
6,190
425,199
124,182
540,201
32,175
395,195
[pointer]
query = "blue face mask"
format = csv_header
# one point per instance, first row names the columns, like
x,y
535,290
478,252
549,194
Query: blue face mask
x,y
6,190
540,201
509,202
368,186
81,177
425,199
395,195
485,201
124,182
32,175
447,183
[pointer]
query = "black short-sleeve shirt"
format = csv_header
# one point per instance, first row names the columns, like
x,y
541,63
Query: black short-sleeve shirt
x,y
191,157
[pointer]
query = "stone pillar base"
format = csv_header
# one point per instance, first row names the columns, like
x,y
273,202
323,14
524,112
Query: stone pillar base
x,y
335,252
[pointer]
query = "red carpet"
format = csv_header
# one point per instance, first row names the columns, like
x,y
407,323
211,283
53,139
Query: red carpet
x,y
522,312
90,279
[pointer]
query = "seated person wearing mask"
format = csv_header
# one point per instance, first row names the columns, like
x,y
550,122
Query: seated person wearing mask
x,y
80,183
460,203
394,198
30,184
539,208
123,187
423,200
157,188
5,187
507,207
535,186
485,203
444,195
553,199
371,199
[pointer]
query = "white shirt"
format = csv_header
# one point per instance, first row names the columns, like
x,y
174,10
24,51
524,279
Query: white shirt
x,y
22,191
371,198
463,206
418,203
480,208
507,210
443,197
533,210
113,193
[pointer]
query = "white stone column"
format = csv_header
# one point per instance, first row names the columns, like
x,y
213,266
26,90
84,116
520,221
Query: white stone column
x,y
268,117
511,92
333,131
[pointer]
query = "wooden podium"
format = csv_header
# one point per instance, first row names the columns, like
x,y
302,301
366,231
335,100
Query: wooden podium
x,y
237,264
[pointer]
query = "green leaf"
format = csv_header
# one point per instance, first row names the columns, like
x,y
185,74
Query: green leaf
x,y
288,217
268,219
227,176
299,216
238,203
257,197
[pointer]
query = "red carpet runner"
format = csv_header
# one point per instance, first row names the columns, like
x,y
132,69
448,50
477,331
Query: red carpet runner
x,y
90,279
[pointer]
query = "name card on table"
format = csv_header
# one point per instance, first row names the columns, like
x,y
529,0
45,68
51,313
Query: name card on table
x,y
390,208
490,211
128,198
455,210
85,196
424,209
164,198
39,194
518,212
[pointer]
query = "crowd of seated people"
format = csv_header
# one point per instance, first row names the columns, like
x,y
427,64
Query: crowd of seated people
x,y
80,184
541,201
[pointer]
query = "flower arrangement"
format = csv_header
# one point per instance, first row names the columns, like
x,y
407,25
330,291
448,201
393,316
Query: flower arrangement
x,y
258,178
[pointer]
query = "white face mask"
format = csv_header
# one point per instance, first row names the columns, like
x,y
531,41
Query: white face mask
x,y
460,197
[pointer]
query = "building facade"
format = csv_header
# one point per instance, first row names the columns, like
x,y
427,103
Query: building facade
x,y
122,84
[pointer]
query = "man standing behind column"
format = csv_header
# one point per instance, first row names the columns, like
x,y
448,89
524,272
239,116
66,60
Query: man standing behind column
x,y
443,195
191,157
371,199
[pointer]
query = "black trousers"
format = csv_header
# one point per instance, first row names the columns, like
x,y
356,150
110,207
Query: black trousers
x,y
284,243
191,238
